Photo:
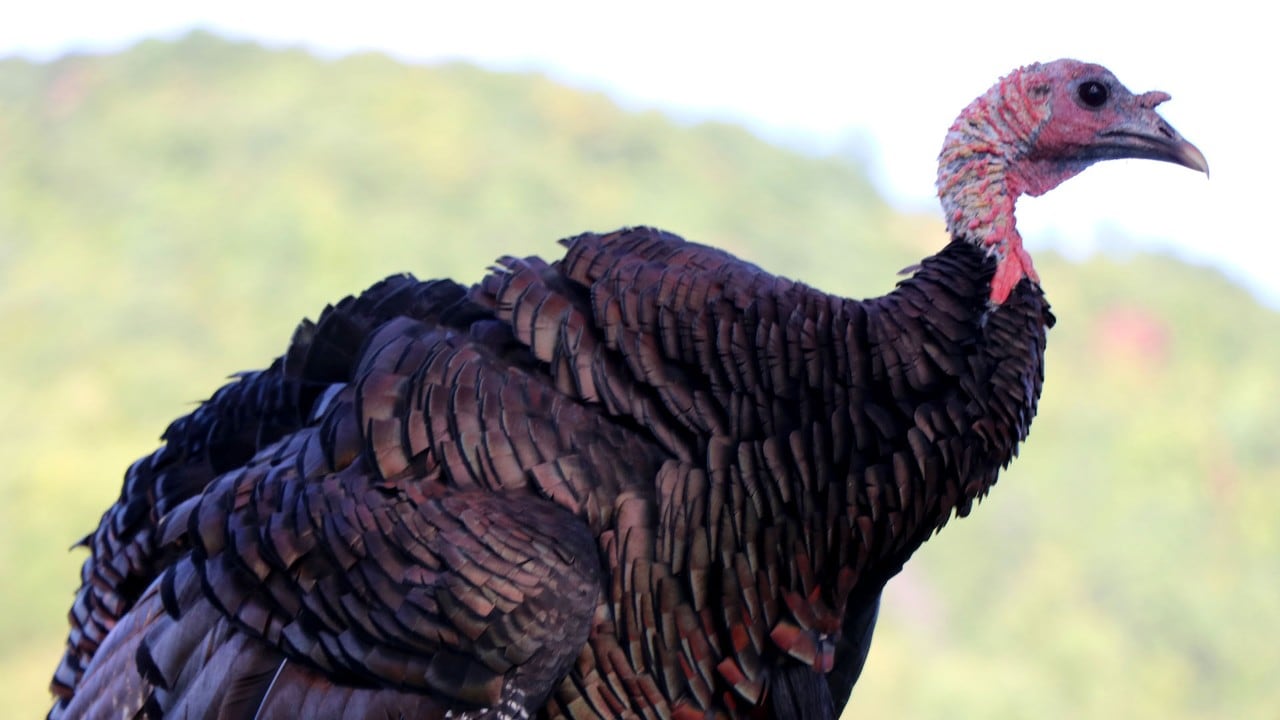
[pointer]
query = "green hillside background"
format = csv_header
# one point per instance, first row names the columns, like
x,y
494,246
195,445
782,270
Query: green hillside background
x,y
169,212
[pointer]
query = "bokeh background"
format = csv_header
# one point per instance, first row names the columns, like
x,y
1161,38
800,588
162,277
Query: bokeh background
x,y
173,201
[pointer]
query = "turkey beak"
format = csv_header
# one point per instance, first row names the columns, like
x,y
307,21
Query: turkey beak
x,y
1142,133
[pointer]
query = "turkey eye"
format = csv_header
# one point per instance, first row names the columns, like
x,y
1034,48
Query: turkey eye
x,y
1093,93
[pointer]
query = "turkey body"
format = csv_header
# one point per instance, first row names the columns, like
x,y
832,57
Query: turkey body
x,y
645,480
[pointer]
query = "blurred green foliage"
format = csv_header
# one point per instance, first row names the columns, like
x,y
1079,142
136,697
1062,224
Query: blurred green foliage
x,y
168,213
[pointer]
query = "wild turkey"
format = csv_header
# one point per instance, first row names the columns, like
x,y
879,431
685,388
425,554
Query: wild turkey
x,y
645,480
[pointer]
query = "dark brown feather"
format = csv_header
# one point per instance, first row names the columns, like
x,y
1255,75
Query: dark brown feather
x,y
646,480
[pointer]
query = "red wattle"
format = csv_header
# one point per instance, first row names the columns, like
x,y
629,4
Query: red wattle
x,y
1011,268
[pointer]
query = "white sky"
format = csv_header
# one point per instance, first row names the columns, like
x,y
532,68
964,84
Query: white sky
x,y
887,79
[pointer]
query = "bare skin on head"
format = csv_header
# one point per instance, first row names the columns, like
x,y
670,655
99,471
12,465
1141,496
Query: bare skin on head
x,y
1037,127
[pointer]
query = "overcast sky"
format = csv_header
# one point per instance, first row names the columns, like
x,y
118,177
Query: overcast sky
x,y
886,79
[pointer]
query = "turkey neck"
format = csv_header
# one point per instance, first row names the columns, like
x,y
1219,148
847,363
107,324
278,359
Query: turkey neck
x,y
976,182
982,172
977,199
